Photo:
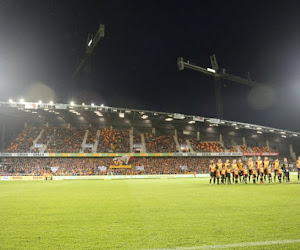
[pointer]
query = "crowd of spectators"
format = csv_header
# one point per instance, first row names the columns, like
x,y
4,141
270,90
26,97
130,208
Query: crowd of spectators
x,y
199,146
137,139
245,149
183,144
160,143
65,140
232,149
113,141
46,136
91,139
24,141
69,140
90,166
137,143
261,149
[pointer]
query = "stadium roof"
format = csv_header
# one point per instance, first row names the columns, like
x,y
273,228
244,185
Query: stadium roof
x,y
77,115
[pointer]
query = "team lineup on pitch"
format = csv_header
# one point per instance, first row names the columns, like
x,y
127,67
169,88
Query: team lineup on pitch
x,y
261,170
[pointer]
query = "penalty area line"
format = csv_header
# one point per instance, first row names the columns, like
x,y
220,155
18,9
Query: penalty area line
x,y
244,244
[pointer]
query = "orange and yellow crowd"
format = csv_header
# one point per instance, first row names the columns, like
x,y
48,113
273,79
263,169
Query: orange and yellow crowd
x,y
159,143
71,140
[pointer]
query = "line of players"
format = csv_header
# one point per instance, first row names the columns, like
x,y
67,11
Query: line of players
x,y
242,172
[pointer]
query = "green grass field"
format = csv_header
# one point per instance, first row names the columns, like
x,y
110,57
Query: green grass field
x,y
146,214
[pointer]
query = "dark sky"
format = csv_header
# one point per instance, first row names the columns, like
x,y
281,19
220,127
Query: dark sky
x,y
135,64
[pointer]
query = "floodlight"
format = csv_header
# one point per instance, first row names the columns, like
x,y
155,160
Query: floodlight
x,y
211,70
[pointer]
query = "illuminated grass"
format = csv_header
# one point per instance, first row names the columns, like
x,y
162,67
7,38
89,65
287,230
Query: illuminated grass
x,y
140,214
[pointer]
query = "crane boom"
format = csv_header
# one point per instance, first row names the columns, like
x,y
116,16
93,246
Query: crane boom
x,y
91,45
218,75
182,64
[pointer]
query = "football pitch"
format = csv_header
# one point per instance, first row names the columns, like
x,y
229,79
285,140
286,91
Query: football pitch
x,y
148,214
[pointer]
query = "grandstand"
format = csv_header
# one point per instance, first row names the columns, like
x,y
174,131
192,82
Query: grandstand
x,y
155,142
63,128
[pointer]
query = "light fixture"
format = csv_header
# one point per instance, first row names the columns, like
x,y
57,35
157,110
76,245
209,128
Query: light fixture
x,y
83,104
295,135
102,105
284,136
282,132
259,128
271,130
144,117
247,126
92,104
121,115
169,119
114,110
222,122
10,101
236,127
191,122
234,124
259,132
51,102
98,113
211,70
21,100
128,111
72,103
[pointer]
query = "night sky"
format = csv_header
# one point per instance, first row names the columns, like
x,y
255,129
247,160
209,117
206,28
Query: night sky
x,y
135,64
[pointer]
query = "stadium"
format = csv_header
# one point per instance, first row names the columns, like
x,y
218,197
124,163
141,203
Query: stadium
x,y
80,143
114,137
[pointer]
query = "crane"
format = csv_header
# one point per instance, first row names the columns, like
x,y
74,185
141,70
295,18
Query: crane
x,y
218,75
92,41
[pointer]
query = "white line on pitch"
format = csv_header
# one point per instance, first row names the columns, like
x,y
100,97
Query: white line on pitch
x,y
245,244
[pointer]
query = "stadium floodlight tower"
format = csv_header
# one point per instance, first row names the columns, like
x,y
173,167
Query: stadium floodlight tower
x,y
91,44
218,75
